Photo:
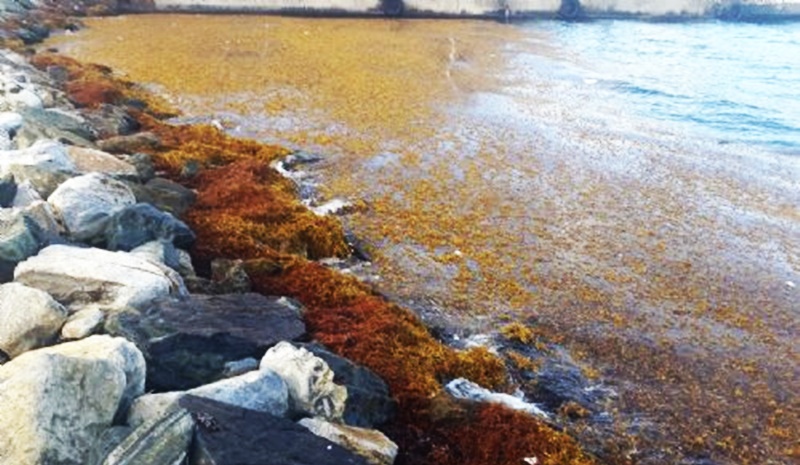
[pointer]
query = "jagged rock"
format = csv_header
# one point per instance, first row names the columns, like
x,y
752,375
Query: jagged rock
x,y
369,403
20,238
29,318
232,435
188,342
371,444
310,381
161,441
165,195
74,275
138,224
91,160
130,144
8,190
261,390
86,204
45,165
55,401
83,323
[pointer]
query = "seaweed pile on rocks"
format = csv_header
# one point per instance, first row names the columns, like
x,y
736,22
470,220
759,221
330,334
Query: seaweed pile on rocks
x,y
164,302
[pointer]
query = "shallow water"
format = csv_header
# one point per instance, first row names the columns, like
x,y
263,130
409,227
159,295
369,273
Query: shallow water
x,y
632,188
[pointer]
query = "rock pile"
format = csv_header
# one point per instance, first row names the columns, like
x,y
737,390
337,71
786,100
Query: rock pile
x,y
105,355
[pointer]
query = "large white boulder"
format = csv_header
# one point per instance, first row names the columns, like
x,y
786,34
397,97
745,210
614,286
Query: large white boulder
x,y
310,381
77,276
44,165
29,318
56,401
90,160
85,203
260,390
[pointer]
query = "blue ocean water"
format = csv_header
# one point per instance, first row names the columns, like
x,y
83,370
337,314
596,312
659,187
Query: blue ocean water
x,y
732,82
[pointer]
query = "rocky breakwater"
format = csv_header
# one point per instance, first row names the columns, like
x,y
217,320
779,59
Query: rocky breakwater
x,y
130,333
95,311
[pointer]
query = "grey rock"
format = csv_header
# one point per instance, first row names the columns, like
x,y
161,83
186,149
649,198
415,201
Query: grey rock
x,y
110,121
45,165
25,195
74,275
5,141
159,252
86,204
55,401
232,435
90,160
369,402
8,190
54,121
42,214
187,343
261,390
143,164
164,441
310,381
131,143
83,323
239,367
371,444
10,122
29,318
165,195
20,238
138,224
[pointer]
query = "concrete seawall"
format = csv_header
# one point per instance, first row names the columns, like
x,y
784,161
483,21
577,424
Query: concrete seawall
x,y
565,9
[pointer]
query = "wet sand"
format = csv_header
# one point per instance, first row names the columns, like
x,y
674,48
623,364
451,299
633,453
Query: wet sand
x,y
669,267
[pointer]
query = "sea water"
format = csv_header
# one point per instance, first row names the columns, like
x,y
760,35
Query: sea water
x,y
725,81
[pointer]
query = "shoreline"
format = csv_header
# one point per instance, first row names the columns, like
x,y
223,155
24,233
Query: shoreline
x,y
278,268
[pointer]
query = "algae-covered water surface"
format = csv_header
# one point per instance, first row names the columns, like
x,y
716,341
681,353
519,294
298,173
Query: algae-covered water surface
x,y
496,180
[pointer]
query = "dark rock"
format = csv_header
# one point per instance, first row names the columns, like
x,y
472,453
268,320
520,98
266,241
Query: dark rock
x,y
59,74
228,435
165,195
131,143
559,383
111,121
300,158
20,238
368,401
138,224
187,343
8,190
144,166
33,34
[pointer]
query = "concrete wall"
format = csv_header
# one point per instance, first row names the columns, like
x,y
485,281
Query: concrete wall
x,y
729,9
350,6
